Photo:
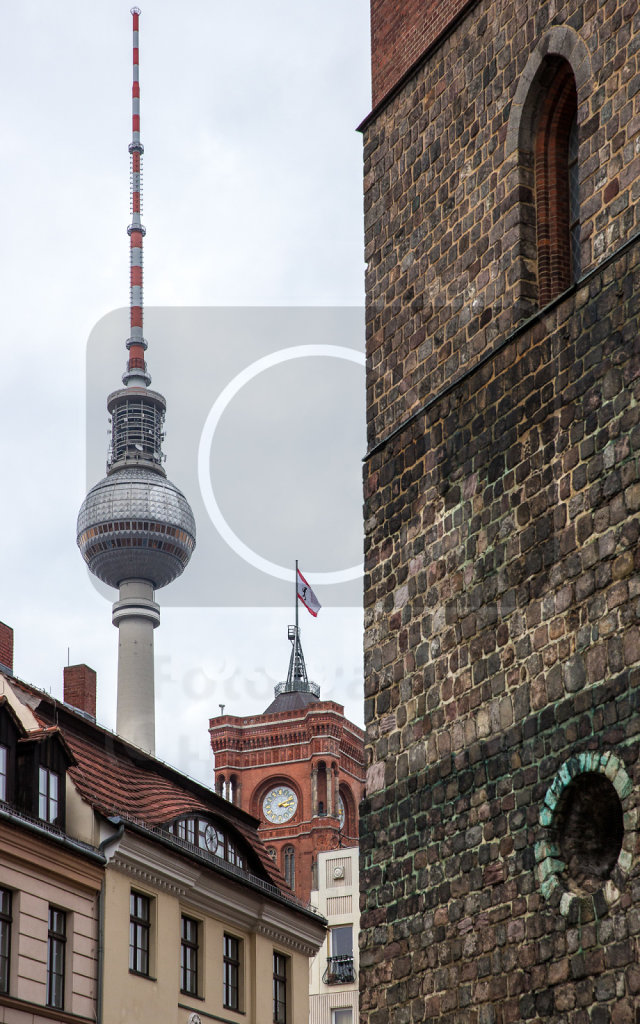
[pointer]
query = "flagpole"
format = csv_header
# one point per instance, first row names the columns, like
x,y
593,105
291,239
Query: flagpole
x,y
296,596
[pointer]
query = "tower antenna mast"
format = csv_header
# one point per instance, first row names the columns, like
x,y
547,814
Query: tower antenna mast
x,y
136,365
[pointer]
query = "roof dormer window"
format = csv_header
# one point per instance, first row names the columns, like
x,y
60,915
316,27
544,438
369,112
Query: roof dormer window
x,y
43,759
48,795
207,835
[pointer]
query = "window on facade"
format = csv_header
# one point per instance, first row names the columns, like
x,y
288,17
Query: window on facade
x,y
139,933
342,940
56,944
340,969
342,1016
189,956
556,181
231,973
5,939
48,794
279,988
185,829
289,864
3,772
207,836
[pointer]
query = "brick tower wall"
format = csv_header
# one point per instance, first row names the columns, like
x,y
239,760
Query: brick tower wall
x,y
447,268
261,751
502,512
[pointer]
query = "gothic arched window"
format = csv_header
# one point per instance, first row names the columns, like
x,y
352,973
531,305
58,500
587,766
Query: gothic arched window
x,y
556,181
542,238
289,865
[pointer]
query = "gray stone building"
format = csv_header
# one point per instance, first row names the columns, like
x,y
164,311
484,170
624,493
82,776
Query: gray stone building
x,y
499,834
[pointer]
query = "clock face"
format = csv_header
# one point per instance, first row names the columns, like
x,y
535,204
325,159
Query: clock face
x,y
212,839
340,810
279,805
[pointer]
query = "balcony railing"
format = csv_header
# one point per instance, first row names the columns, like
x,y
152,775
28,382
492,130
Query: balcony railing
x,y
339,971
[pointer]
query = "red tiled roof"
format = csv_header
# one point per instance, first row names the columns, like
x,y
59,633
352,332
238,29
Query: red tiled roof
x,y
115,784
117,779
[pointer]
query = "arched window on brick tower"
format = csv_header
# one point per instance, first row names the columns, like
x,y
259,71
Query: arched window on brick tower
x,y
322,793
556,181
348,827
289,866
234,790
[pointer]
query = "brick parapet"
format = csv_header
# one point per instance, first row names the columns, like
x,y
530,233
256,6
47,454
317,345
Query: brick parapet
x,y
448,272
401,34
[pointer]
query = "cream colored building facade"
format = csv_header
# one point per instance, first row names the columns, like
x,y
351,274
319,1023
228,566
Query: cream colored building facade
x,y
177,889
333,974
168,906
39,872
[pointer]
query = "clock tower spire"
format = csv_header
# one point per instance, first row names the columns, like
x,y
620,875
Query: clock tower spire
x,y
298,767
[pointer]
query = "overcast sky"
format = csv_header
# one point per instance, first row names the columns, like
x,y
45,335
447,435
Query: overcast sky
x,y
252,197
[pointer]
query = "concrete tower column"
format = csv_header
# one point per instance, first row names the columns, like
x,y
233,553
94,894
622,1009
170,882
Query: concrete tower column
x,y
136,615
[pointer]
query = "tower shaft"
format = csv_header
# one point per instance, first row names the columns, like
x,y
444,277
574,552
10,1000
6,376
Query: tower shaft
x,y
136,615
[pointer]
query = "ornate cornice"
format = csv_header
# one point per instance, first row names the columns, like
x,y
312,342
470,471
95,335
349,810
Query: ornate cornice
x,y
146,875
278,935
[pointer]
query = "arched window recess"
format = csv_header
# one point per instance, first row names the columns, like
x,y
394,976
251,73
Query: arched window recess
x,y
543,172
557,201
289,866
207,834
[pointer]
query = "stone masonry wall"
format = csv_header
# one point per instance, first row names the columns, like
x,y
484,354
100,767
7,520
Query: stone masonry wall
x,y
447,269
502,638
500,874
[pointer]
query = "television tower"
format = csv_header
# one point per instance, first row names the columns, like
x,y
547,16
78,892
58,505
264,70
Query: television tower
x,y
136,530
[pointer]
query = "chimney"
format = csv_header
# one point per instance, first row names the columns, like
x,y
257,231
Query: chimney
x,y
80,688
6,648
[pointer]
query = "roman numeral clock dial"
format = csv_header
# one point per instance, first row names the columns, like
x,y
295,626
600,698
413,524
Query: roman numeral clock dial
x,y
280,805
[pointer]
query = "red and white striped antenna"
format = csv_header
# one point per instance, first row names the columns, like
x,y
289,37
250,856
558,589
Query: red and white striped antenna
x,y
136,374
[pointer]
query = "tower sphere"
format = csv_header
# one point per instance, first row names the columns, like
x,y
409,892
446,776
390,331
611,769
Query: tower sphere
x,y
136,524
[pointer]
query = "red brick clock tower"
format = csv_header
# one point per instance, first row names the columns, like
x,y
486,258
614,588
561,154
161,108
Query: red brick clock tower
x,y
299,768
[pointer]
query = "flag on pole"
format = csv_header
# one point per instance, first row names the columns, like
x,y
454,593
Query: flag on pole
x,y
307,596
